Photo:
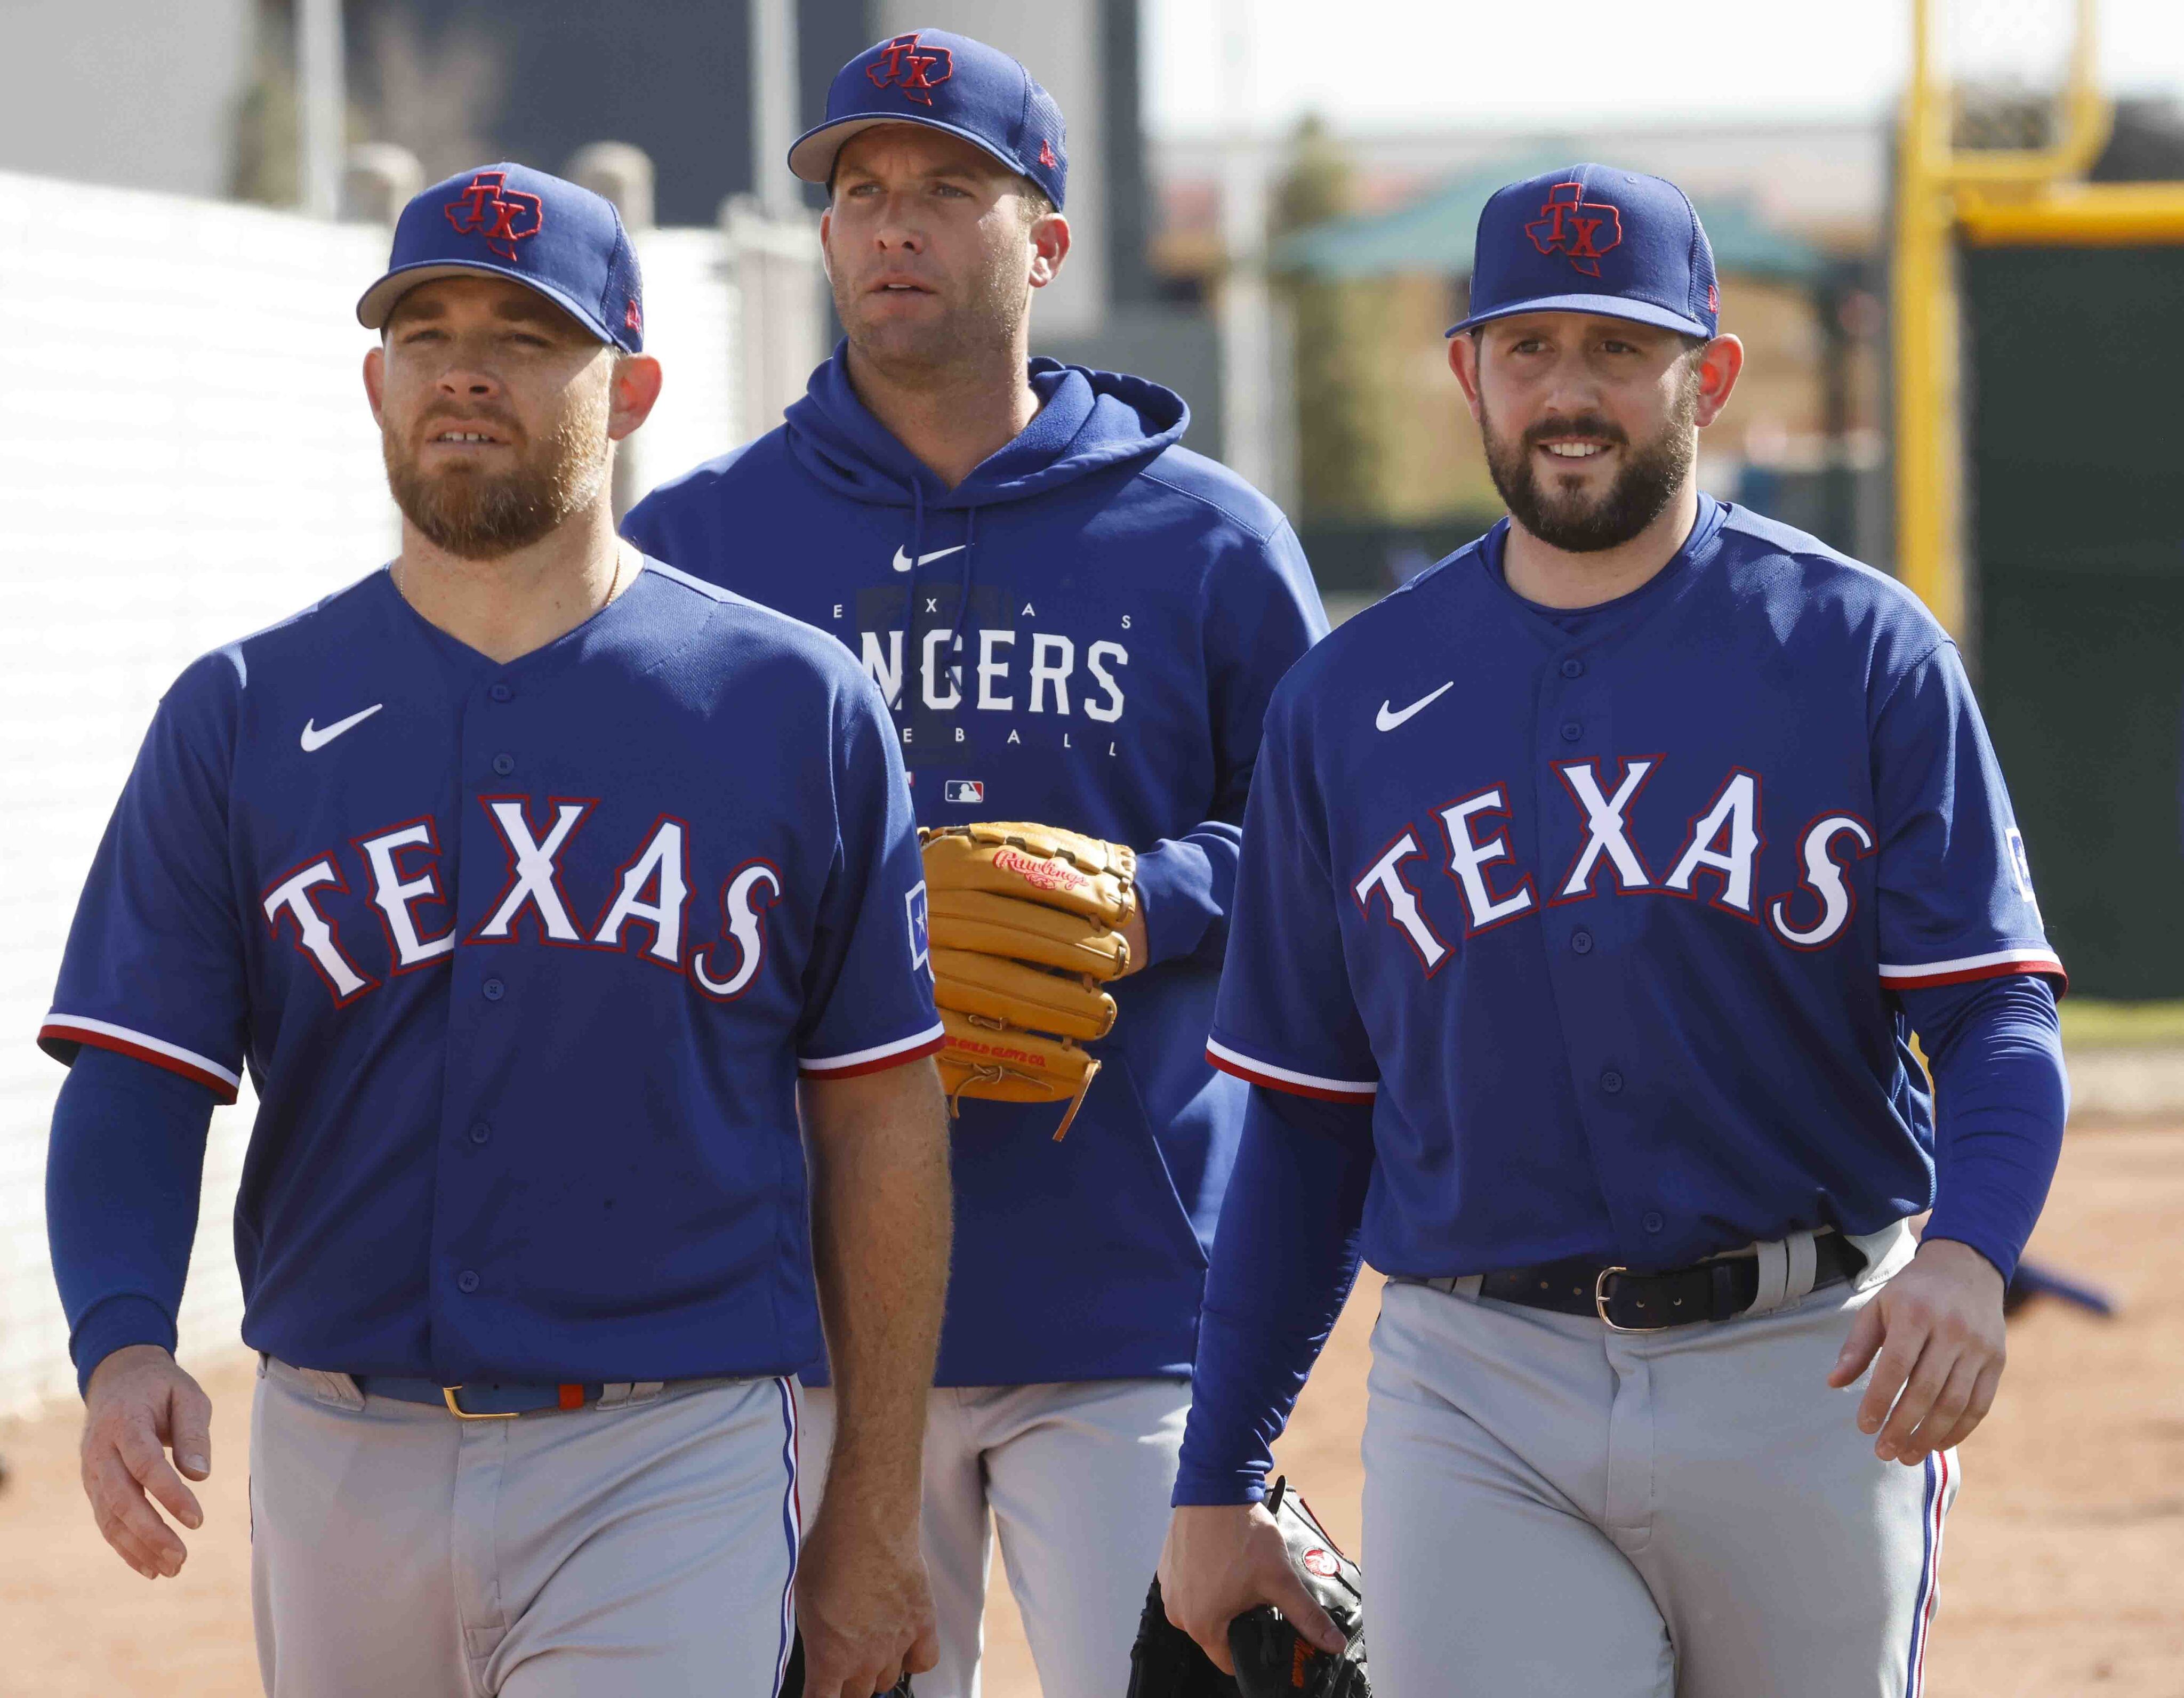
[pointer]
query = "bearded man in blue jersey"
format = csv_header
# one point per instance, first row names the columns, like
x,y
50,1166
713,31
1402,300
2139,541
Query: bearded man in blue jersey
x,y
1594,886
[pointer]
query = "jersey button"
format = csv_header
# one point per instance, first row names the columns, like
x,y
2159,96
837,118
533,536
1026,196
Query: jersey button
x,y
481,1134
1611,1081
1654,1221
1581,942
466,1282
500,693
1572,731
1573,669
492,990
504,764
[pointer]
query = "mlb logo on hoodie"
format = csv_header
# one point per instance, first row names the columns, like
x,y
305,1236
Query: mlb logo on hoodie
x,y
964,790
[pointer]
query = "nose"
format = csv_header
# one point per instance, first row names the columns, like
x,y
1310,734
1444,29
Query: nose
x,y
468,377
896,230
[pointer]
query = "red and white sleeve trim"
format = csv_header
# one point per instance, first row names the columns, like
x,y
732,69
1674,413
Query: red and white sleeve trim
x,y
75,1028
1995,965
878,1056
1284,1079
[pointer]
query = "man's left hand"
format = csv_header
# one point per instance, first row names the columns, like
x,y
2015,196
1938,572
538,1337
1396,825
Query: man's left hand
x,y
1133,935
1935,1337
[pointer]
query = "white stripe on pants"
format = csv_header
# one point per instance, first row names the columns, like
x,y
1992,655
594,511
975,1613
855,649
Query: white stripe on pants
x,y
1563,1512
587,1554
1077,1477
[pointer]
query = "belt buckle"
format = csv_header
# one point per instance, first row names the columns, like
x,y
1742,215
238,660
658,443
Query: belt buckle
x,y
447,1395
1599,1301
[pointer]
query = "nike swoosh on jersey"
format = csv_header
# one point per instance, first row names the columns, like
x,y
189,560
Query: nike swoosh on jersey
x,y
903,563
1388,721
314,738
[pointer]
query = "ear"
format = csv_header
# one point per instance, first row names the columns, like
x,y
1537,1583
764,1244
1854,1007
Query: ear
x,y
635,389
826,238
1049,246
1718,366
374,379
1464,361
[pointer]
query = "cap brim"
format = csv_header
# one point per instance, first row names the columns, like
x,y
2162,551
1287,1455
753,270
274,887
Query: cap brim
x,y
812,157
377,302
1606,306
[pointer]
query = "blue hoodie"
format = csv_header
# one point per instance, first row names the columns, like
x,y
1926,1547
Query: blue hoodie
x,y
1083,632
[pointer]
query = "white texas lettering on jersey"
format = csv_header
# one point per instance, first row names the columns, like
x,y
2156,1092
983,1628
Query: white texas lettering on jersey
x,y
1468,860
316,935
532,883
1605,827
1723,841
1736,814
395,896
1837,900
1385,876
651,889
751,886
661,867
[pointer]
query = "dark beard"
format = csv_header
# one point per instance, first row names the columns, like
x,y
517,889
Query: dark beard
x,y
480,517
1651,474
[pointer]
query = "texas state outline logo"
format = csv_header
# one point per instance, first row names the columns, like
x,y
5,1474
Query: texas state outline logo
x,y
906,64
1584,232
489,207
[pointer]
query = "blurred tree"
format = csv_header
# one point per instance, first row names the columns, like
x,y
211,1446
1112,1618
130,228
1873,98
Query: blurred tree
x,y
1343,387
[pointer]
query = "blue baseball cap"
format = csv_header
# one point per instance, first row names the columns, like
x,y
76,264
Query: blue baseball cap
x,y
1589,239
508,220
948,82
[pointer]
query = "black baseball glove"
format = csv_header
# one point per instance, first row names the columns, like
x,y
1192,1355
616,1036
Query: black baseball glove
x,y
1273,1660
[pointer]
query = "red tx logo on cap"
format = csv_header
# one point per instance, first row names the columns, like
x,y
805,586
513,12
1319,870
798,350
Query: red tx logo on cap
x,y
488,205
905,65
1582,229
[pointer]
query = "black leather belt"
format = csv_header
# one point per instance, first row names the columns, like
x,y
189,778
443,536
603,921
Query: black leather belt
x,y
1628,1301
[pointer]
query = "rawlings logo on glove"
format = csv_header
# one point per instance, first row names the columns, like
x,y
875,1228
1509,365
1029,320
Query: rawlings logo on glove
x,y
1027,924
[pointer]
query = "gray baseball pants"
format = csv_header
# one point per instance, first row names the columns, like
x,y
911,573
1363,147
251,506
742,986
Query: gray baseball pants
x,y
1077,1477
1558,1511
648,1547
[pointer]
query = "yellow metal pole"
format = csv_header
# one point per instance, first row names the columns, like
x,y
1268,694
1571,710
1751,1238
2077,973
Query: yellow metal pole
x,y
1929,479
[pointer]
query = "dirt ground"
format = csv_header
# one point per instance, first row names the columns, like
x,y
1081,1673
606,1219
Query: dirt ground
x,y
2063,1573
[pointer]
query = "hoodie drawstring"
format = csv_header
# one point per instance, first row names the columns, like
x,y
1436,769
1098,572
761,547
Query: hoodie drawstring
x,y
963,594
909,592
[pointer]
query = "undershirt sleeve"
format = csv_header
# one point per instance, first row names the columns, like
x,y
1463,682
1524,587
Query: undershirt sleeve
x,y
1284,1258
123,1172
2001,1096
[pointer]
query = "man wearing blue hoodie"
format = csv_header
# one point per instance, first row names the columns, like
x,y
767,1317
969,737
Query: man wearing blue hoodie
x,y
1077,621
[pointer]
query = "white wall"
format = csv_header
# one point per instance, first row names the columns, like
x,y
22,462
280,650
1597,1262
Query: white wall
x,y
139,92
185,456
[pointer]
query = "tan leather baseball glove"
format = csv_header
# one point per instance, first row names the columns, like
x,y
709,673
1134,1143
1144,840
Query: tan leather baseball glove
x,y
1026,926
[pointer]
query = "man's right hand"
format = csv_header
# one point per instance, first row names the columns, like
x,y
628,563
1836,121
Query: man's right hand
x,y
862,1601
1222,1559
138,1405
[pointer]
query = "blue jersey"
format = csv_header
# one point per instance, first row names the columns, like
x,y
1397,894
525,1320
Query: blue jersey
x,y
1085,633
1608,915
524,960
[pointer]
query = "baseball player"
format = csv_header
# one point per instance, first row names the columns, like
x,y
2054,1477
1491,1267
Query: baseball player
x,y
1593,887
531,881
1078,623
